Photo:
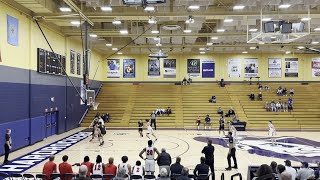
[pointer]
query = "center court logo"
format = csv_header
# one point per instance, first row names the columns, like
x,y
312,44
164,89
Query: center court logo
x,y
292,148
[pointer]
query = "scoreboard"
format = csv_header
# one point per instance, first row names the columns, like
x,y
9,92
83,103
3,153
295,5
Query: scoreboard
x,y
48,62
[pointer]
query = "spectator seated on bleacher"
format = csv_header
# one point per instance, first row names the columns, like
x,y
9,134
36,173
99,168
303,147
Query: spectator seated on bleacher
x,y
260,87
273,106
213,99
279,91
283,174
230,112
290,107
220,111
222,83
285,107
158,111
184,81
278,106
260,96
284,91
168,111
266,88
267,106
291,91
251,96
189,80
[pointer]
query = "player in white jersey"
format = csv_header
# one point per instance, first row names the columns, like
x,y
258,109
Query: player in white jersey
x,y
234,132
138,169
98,167
272,132
124,165
150,130
98,129
150,160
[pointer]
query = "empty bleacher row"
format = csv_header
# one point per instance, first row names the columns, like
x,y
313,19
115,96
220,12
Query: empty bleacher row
x,y
129,103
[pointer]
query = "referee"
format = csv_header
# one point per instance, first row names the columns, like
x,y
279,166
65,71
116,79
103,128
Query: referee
x,y
232,153
7,146
209,157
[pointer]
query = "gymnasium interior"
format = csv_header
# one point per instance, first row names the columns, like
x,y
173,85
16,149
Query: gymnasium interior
x,y
62,62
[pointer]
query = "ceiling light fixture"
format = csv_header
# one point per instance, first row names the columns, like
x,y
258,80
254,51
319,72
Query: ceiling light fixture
x,y
116,22
202,52
109,44
158,44
123,31
114,49
194,7
314,42
252,48
209,43
75,22
221,30
93,35
149,8
214,38
106,8
305,19
119,53
288,52
253,30
154,32
202,49
317,29
245,52
228,20
284,6
65,9
187,31
266,19
238,7
300,47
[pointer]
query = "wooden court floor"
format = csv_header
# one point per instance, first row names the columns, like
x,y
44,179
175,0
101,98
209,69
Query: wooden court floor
x,y
254,148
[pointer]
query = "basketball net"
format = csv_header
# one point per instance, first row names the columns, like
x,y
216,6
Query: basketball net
x,y
95,105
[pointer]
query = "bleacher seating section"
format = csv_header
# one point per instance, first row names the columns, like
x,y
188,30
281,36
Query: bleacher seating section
x,y
129,103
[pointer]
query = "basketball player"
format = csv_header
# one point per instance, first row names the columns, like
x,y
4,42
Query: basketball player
x,y
98,167
232,153
93,125
102,129
150,130
272,132
140,125
233,130
138,169
150,160
221,125
198,122
124,165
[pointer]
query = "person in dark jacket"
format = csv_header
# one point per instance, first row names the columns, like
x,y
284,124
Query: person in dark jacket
x,y
202,168
164,160
209,157
176,168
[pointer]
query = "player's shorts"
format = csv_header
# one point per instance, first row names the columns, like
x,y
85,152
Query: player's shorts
x,y
150,131
221,127
140,129
150,165
272,133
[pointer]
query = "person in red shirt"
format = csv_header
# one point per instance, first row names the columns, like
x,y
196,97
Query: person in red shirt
x,y
110,168
86,161
49,167
65,167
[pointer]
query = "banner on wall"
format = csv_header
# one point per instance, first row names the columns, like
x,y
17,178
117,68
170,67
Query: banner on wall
x,y
13,30
78,63
169,68
315,65
153,68
129,68
274,67
234,68
208,68
250,67
72,53
292,67
193,68
82,92
113,68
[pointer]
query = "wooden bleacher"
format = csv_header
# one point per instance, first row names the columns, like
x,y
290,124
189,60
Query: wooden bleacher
x,y
129,103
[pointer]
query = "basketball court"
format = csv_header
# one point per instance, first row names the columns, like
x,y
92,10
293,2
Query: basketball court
x,y
253,149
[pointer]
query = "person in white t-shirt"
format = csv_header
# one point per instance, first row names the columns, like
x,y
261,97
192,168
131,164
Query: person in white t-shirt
x,y
124,165
290,169
150,160
138,169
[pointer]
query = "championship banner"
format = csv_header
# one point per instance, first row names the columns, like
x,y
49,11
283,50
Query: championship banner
x,y
113,68
292,67
82,92
153,68
12,30
274,67
193,68
234,68
169,68
72,53
250,67
129,68
78,63
315,67
208,68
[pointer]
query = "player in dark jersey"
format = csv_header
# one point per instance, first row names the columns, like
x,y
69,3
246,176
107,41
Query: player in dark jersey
x,y
221,125
140,125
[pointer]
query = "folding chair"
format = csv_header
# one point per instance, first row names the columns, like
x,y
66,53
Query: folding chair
x,y
28,177
150,177
54,176
41,176
135,177
68,176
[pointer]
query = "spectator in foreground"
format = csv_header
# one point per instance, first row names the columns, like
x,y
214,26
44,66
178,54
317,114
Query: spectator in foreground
x,y
176,168
163,174
208,151
282,173
164,160
184,174
201,168
110,168
260,96
65,167
86,162
220,111
290,169
273,166
317,172
305,173
83,171
263,170
49,167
